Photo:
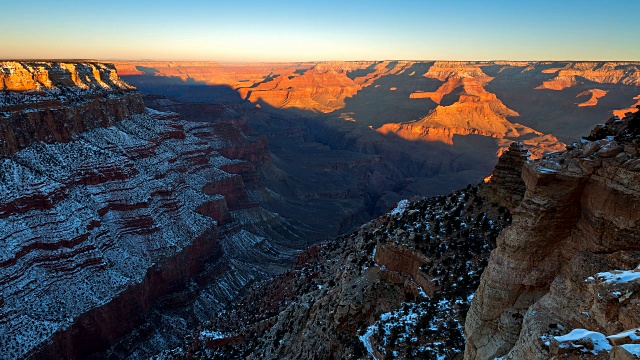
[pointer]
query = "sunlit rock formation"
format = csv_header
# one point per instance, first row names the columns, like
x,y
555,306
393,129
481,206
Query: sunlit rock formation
x,y
598,72
53,102
594,95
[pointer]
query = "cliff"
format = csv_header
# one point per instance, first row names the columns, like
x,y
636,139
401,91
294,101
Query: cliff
x,y
598,72
107,207
505,185
562,281
54,102
559,281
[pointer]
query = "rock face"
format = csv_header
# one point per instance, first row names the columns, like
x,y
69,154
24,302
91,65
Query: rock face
x,y
476,112
54,102
602,73
563,265
106,206
633,108
505,185
594,95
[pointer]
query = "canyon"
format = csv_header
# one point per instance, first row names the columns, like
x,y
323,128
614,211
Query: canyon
x,y
149,205
435,120
108,207
540,261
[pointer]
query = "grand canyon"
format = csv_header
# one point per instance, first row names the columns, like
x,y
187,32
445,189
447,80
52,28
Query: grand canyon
x,y
316,210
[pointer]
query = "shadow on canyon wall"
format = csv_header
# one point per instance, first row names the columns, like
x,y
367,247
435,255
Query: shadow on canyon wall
x,y
467,161
319,150
393,106
182,90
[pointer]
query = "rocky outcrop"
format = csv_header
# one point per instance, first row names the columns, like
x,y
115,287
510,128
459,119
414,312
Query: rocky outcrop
x,y
92,225
476,112
317,89
472,118
398,286
594,95
633,108
505,186
54,102
559,270
598,72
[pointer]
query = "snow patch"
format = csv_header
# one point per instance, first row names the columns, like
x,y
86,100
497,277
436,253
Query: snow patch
x,y
619,276
212,335
600,342
634,349
400,207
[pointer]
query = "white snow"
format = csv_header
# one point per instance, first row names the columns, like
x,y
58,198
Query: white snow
x,y
400,207
212,335
633,335
619,276
600,342
634,349
366,340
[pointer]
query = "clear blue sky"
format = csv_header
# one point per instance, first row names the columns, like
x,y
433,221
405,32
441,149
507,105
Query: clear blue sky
x,y
248,30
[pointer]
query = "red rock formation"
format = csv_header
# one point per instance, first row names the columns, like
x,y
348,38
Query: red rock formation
x,y
595,95
601,73
578,221
406,261
505,185
476,112
53,102
633,108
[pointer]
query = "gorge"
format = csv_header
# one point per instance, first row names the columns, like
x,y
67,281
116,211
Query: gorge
x,y
164,208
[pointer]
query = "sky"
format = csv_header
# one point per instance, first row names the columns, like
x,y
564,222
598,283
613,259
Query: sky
x,y
248,30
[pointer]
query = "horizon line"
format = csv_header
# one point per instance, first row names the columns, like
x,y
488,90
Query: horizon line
x,y
295,61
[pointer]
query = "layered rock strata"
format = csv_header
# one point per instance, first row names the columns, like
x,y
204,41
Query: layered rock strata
x,y
557,282
117,210
54,102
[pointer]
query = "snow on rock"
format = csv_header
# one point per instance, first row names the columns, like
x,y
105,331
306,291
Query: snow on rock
x,y
633,349
625,337
619,276
212,335
400,207
84,221
583,340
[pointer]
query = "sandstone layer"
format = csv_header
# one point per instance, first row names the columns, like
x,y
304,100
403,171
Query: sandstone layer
x,y
476,112
598,72
558,271
594,95
633,108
